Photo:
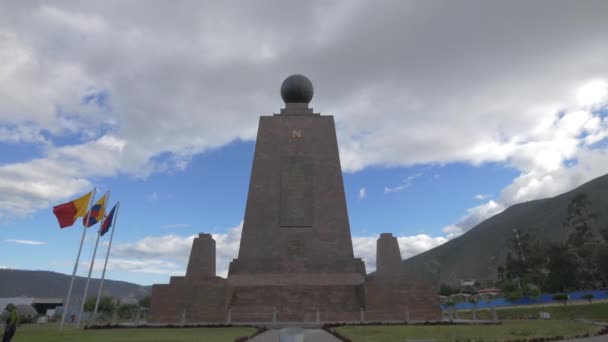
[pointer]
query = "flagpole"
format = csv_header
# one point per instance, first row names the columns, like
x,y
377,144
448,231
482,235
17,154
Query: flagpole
x,y
86,287
103,274
84,231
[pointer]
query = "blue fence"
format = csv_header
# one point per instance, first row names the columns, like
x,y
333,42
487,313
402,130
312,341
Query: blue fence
x,y
543,298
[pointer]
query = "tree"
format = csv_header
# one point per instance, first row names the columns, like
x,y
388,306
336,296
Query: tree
x,y
579,219
580,262
588,296
582,241
446,290
501,272
145,302
531,291
561,297
126,310
525,262
468,290
511,290
562,267
601,256
106,305
604,234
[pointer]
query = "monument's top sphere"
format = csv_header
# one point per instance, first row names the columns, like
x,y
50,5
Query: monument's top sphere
x,y
297,89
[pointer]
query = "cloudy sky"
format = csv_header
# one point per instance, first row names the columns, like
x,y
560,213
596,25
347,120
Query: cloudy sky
x,y
446,112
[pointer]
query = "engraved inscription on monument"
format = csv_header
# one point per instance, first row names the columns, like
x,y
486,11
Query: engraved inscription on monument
x,y
296,192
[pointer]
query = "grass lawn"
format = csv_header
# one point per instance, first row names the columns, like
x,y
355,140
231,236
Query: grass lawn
x,y
595,311
508,330
49,333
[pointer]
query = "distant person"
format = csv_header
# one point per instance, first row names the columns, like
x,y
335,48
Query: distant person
x,y
73,317
11,323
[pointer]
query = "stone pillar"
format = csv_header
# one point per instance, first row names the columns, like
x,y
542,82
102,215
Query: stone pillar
x,y
318,316
274,315
407,313
202,257
474,314
362,315
229,316
388,257
494,315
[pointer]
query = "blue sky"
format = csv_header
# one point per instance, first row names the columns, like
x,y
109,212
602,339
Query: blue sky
x,y
438,129
209,195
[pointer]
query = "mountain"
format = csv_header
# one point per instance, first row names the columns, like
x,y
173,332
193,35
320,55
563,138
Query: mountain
x,y
477,253
22,283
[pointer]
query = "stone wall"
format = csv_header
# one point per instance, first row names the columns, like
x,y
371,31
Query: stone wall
x,y
295,303
392,294
401,300
200,296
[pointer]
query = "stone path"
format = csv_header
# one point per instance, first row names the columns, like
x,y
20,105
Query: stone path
x,y
602,338
316,335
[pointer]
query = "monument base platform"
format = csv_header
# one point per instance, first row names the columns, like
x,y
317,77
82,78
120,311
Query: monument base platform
x,y
183,301
390,300
218,300
297,303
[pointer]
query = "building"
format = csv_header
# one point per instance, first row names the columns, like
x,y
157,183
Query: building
x,y
42,305
295,260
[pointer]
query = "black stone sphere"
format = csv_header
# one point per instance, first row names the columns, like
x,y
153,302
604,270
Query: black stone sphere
x,y
297,89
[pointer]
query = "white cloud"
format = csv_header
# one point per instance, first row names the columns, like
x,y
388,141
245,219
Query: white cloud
x,y
172,246
365,247
406,183
38,183
402,111
361,193
453,231
536,184
143,265
480,197
473,216
177,249
21,134
26,242
593,93
169,254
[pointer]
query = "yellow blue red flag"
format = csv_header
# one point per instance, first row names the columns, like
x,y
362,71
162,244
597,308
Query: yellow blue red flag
x,y
96,213
107,222
67,213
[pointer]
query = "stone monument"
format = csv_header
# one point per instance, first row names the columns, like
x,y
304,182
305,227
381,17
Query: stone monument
x,y
295,260
394,293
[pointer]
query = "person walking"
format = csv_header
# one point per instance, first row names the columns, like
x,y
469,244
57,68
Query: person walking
x,y
11,323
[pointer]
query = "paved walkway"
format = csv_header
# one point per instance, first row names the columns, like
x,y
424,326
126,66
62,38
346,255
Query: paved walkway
x,y
311,335
602,338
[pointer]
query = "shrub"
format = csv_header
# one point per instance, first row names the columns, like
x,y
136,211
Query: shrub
x,y
588,296
561,297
